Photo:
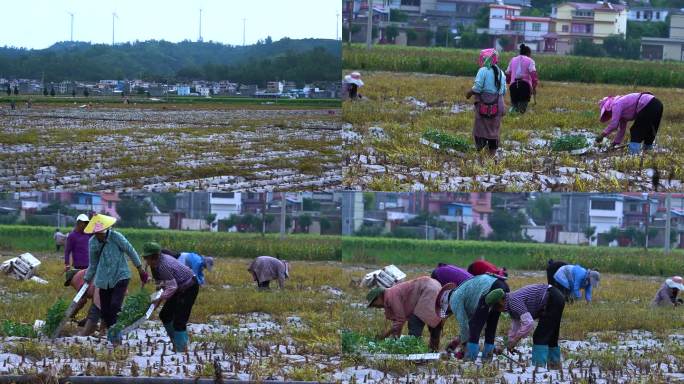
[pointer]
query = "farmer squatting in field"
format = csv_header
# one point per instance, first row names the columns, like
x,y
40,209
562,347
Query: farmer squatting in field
x,y
267,268
180,291
522,79
413,302
351,85
536,301
667,294
489,89
646,111
107,268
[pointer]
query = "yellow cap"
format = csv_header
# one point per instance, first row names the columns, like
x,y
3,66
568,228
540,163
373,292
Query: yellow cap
x,y
99,223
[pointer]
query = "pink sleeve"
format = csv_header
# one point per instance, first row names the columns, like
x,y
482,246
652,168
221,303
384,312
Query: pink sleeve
x,y
614,124
524,328
534,77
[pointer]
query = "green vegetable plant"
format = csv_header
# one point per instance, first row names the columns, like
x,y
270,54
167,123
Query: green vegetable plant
x,y
355,343
54,316
569,143
446,140
13,328
133,309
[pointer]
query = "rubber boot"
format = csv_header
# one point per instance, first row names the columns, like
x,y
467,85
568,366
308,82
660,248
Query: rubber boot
x,y
634,148
554,358
540,354
169,329
472,350
488,351
180,341
648,147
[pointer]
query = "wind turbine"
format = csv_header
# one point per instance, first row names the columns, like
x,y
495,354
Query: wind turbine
x,y
114,16
72,26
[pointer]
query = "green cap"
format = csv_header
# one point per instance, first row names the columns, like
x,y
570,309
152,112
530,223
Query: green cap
x,y
151,248
494,296
373,294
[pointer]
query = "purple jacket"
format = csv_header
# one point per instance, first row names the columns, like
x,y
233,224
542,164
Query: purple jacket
x,y
450,274
77,247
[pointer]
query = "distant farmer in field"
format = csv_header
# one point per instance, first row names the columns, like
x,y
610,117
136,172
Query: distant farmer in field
x,y
537,301
412,301
489,89
472,303
570,279
194,261
76,248
60,238
180,291
552,268
352,83
13,105
522,78
267,268
445,273
667,294
74,278
480,267
646,111
108,268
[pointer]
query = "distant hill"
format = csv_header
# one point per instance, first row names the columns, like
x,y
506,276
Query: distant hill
x,y
302,60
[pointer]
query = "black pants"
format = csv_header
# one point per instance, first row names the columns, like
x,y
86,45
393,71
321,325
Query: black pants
x,y
111,301
416,326
520,95
58,246
353,91
647,122
482,142
486,317
177,309
264,284
548,329
552,269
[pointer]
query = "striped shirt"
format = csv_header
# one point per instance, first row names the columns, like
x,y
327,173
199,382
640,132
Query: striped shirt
x,y
530,298
172,276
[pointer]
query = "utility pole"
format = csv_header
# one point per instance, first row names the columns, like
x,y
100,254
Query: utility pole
x,y
337,26
668,207
283,216
244,29
72,26
114,16
263,215
200,27
646,218
369,27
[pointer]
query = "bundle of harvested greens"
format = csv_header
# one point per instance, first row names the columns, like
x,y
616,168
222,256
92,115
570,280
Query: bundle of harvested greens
x,y
12,328
569,143
355,343
134,307
446,141
54,316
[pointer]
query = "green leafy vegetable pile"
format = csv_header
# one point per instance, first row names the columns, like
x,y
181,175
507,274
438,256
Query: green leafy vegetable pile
x,y
134,308
569,143
54,316
406,345
445,140
12,328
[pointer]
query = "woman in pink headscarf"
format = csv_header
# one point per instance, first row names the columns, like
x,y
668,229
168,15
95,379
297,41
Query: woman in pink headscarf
x,y
522,77
489,89
646,111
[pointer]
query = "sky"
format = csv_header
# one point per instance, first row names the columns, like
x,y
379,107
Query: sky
x,y
38,24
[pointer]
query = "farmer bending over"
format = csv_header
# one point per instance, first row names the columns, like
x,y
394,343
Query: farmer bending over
x,y
480,267
267,268
646,111
194,261
536,301
445,273
180,291
472,305
667,294
551,269
413,302
74,278
570,279
108,267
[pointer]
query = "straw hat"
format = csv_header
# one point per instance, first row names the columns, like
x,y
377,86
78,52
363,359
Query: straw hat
x,y
354,78
99,223
675,282
442,302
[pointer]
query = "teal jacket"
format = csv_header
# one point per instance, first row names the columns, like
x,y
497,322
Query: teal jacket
x,y
465,298
110,267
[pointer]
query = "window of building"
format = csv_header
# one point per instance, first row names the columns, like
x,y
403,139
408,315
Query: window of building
x,y
603,205
482,216
412,3
508,27
536,27
638,15
657,15
565,28
224,195
632,208
109,204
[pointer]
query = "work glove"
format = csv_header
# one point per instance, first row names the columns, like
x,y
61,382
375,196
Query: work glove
x,y
144,276
472,350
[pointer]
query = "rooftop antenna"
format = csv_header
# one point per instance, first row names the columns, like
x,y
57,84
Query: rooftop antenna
x,y
72,26
114,16
200,27
244,28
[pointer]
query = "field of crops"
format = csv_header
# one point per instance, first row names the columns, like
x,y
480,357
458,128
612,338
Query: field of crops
x,y
522,256
19,239
252,335
618,338
387,136
461,62
169,147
